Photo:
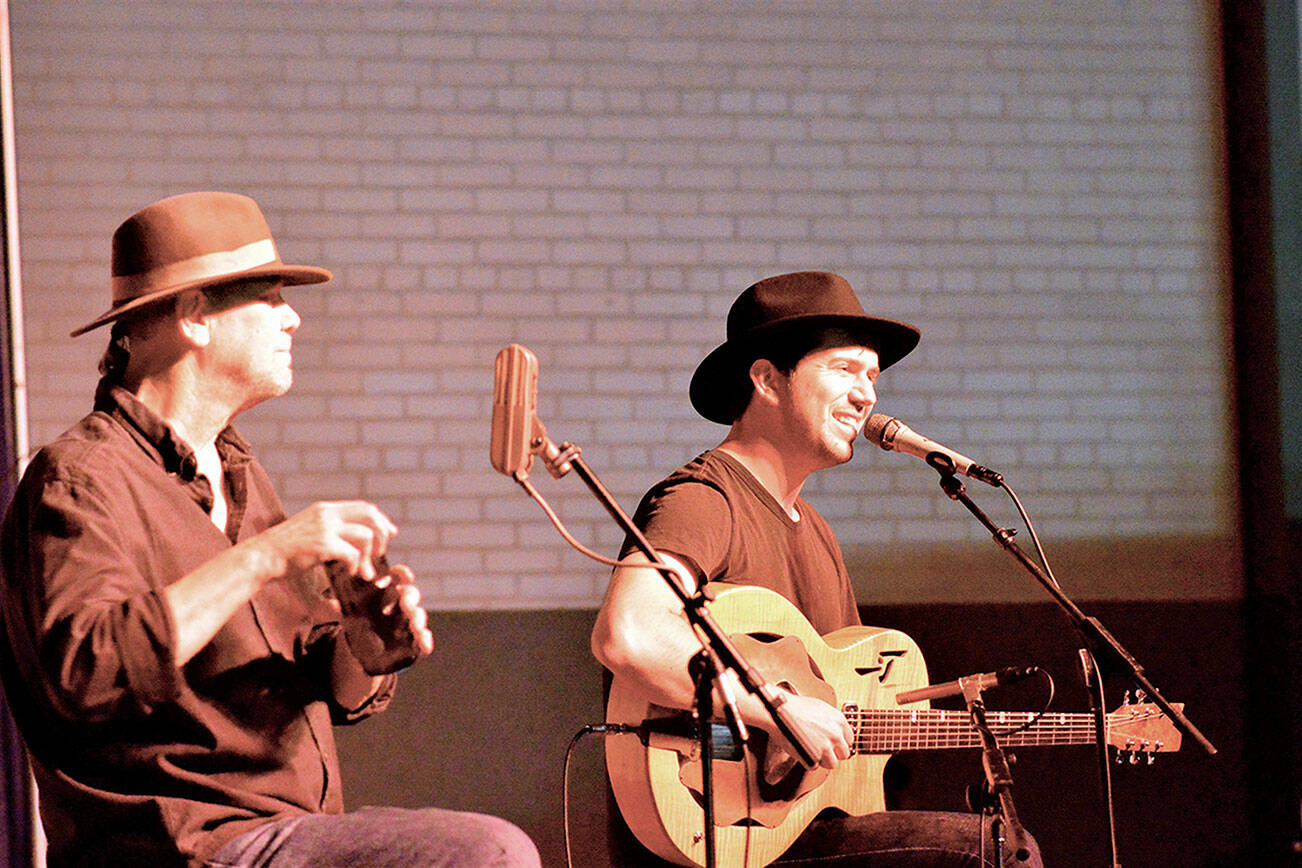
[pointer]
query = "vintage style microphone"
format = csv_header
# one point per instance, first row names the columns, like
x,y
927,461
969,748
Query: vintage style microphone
x,y
518,434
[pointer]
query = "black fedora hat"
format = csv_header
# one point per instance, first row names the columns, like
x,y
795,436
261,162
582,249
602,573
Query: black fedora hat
x,y
774,310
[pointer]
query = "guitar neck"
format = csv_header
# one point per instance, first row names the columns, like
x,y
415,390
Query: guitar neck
x,y
892,730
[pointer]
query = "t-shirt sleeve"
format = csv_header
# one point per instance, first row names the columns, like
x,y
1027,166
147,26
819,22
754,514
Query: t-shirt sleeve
x,y
690,520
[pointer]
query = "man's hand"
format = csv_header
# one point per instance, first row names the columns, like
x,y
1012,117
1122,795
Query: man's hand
x,y
822,728
352,532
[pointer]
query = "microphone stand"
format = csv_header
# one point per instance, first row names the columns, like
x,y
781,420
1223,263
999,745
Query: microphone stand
x,y
706,670
998,776
1094,636
718,650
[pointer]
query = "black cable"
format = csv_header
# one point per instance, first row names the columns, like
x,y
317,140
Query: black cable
x,y
621,729
1039,714
590,729
1030,530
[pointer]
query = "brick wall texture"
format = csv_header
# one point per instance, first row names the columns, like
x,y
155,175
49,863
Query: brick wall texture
x,y
1037,185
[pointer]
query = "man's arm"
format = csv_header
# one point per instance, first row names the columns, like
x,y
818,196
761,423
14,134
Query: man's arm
x,y
203,600
642,635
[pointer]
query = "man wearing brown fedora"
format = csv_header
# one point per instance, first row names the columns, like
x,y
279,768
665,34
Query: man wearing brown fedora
x,y
795,380
174,648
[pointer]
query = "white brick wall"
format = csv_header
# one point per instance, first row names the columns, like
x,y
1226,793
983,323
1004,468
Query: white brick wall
x,y
1036,184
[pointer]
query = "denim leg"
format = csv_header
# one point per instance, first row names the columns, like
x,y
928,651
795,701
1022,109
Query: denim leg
x,y
382,838
894,839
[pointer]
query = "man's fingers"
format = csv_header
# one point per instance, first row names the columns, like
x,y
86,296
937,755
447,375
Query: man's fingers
x,y
353,531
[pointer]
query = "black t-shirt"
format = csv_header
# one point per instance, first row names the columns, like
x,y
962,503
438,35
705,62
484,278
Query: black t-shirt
x,y
714,515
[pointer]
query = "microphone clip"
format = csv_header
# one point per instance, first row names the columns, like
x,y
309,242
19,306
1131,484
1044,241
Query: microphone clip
x,y
944,465
559,459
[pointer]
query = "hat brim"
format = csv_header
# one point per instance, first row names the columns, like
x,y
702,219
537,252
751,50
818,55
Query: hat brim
x,y
292,275
720,387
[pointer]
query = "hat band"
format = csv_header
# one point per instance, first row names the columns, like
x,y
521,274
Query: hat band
x,y
219,264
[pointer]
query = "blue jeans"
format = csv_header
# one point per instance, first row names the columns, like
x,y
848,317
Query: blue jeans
x,y
382,838
894,839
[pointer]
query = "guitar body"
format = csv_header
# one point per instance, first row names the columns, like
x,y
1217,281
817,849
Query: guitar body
x,y
764,801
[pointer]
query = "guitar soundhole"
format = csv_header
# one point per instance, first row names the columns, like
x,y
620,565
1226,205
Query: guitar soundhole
x,y
771,638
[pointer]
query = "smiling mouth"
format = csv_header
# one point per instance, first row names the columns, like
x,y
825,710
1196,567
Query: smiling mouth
x,y
850,422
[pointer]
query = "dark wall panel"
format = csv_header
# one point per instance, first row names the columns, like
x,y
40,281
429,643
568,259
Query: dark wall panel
x,y
486,723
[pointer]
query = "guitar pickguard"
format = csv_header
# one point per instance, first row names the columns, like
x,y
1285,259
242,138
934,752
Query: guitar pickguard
x,y
762,786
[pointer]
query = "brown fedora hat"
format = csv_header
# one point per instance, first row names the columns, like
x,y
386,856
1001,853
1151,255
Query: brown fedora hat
x,y
774,310
192,241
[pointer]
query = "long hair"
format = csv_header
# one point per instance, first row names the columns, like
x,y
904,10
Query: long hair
x,y
134,327
113,364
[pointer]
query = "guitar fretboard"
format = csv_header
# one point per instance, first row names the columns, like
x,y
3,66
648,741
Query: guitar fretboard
x,y
890,730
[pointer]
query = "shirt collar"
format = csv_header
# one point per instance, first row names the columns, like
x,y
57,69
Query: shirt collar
x,y
157,438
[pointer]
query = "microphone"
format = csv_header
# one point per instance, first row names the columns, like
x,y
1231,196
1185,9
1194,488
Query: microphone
x,y
894,436
515,405
984,681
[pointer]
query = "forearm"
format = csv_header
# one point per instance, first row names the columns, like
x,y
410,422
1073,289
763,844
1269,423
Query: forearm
x,y
663,678
643,637
658,672
203,600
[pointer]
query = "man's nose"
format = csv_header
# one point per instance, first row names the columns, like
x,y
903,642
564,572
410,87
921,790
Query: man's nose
x,y
863,393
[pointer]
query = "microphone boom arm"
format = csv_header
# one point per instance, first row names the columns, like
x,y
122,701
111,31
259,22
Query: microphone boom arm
x,y
1093,632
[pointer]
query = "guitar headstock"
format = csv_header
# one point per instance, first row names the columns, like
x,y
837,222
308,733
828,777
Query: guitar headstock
x,y
1141,728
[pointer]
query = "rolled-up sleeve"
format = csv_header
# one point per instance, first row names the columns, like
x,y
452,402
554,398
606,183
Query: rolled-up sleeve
x,y
319,648
378,701
105,635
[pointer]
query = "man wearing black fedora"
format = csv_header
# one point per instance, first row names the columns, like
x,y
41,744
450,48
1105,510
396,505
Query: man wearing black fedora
x,y
795,382
174,649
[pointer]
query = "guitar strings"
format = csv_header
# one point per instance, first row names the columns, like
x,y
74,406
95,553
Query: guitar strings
x,y
878,730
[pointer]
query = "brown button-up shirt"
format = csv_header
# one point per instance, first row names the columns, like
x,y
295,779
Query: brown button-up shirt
x,y
140,762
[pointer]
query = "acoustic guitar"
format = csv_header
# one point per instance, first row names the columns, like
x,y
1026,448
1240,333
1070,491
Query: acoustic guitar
x,y
764,798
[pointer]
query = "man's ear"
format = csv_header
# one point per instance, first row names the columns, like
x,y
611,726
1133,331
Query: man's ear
x,y
766,379
191,319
